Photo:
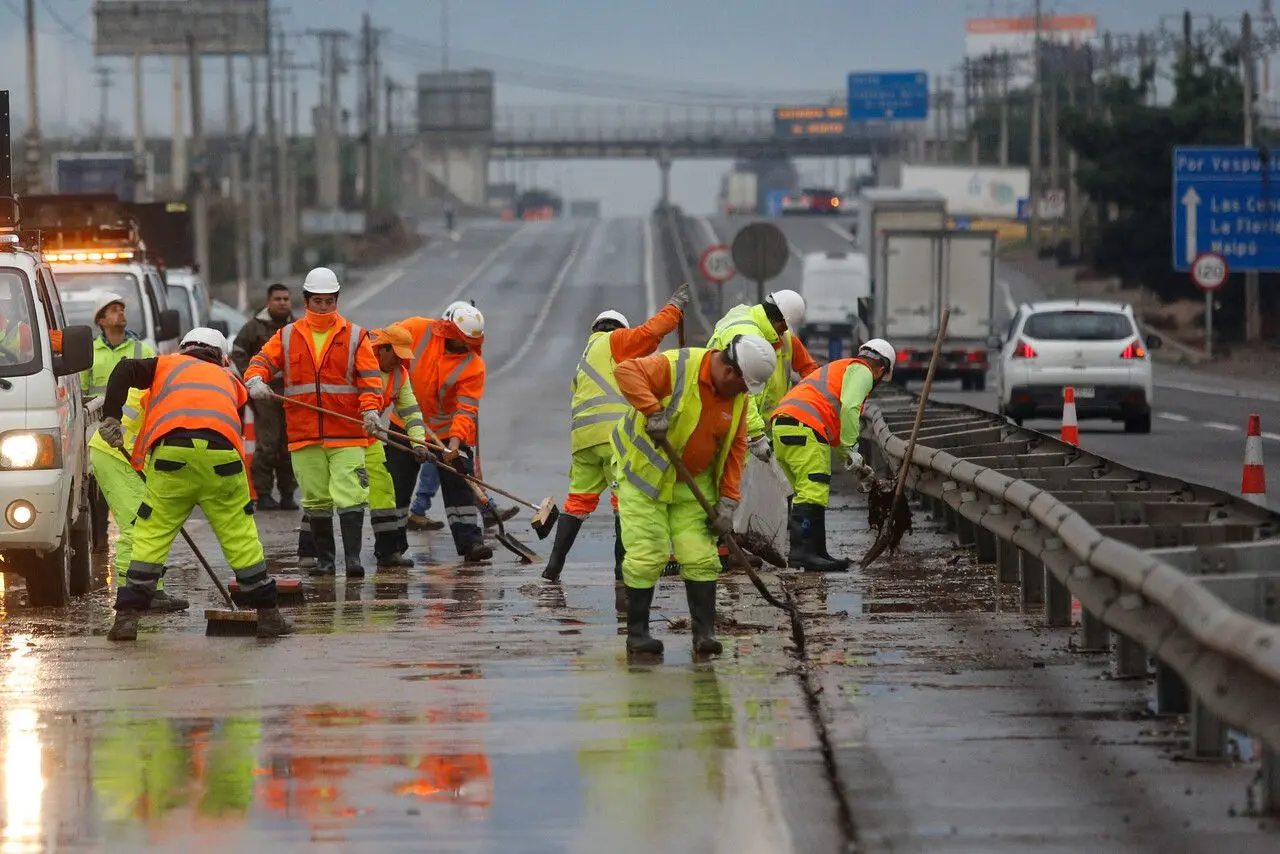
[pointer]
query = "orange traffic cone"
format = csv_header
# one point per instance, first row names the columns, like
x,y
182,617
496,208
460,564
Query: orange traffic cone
x,y
1070,430
1253,484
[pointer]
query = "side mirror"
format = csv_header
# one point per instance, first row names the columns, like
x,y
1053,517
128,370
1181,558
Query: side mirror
x,y
77,351
221,326
1154,342
995,342
170,325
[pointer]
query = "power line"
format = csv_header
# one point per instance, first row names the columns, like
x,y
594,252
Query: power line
x,y
61,22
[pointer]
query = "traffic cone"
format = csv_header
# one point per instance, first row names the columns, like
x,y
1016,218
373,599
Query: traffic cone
x,y
1253,485
1070,430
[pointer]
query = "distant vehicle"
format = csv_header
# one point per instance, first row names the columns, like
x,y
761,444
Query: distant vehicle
x,y
1094,347
741,193
835,287
812,200
189,296
538,204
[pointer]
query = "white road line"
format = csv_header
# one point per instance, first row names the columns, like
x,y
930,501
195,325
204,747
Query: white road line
x,y
1218,425
1274,437
650,287
1195,388
1009,304
1173,416
480,268
365,294
709,231
560,279
843,233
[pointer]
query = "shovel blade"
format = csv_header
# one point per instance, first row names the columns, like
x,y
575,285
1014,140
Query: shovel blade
x,y
511,544
544,520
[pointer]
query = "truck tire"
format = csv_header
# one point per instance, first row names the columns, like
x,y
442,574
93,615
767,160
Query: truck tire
x,y
49,577
979,382
82,555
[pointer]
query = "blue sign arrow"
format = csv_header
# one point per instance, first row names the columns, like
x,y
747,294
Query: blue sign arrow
x,y
1226,200
888,96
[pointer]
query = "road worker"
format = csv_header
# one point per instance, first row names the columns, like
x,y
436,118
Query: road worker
x,y
190,446
393,471
821,413
116,343
596,408
124,492
448,377
696,400
327,362
778,321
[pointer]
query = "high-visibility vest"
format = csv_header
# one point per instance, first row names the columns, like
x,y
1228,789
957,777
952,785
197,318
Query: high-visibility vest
x,y
392,386
437,377
338,383
597,403
130,420
641,462
191,394
815,402
93,381
751,320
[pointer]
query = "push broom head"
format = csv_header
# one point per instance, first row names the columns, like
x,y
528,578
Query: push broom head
x,y
230,624
545,518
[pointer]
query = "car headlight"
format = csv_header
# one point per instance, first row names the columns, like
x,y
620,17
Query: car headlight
x,y
30,450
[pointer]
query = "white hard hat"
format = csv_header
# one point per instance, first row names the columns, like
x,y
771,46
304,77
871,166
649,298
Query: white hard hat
x,y
468,319
791,304
106,299
203,336
610,314
321,280
454,306
882,350
753,356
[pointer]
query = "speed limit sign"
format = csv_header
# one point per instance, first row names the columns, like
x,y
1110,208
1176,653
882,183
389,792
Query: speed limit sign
x,y
1209,271
716,264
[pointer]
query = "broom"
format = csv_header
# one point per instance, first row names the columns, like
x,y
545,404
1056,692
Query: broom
x,y
895,520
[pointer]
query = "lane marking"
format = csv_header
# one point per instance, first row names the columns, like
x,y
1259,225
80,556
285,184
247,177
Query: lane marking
x,y
1218,425
393,275
708,231
1274,437
561,277
1173,416
1266,397
650,296
842,233
480,268
1009,305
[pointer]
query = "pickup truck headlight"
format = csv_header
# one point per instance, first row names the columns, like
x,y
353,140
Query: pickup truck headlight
x,y
30,450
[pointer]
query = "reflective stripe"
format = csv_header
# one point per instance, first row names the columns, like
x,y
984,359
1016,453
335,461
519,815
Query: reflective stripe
x,y
324,388
422,345
471,401
353,344
453,378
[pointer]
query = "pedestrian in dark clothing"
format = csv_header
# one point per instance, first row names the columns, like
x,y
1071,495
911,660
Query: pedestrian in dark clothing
x,y
271,464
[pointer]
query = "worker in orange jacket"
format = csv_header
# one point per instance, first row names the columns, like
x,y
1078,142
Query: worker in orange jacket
x,y
596,406
447,374
326,361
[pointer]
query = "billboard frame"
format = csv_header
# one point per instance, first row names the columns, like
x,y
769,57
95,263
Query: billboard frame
x,y
174,27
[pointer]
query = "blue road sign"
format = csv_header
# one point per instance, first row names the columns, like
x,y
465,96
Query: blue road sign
x,y
891,96
1226,200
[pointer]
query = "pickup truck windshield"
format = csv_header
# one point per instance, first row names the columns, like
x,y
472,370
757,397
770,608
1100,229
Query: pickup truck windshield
x,y
19,356
80,292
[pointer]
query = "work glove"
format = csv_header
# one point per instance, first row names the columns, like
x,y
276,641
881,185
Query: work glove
x,y
680,297
421,453
657,425
761,448
258,388
372,422
852,459
112,432
721,520
866,478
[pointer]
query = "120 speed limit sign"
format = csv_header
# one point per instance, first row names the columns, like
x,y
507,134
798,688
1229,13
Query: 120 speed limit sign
x,y
1209,271
716,264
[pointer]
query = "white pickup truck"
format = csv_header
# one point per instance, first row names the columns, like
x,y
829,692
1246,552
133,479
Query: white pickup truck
x,y
45,526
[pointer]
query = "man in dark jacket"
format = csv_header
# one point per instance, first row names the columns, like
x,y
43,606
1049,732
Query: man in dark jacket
x,y
271,454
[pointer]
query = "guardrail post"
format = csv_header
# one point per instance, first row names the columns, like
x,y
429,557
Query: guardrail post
x,y
949,514
1057,598
1130,659
964,526
1032,572
1269,803
1208,734
1094,634
1007,561
1172,695
987,542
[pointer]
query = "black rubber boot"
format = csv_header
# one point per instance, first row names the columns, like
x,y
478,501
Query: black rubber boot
x,y
286,500
638,637
387,551
820,541
702,614
352,523
322,543
567,529
306,543
808,518
619,550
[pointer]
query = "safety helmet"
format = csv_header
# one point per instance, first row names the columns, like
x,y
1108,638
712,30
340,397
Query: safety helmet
x,y
107,298
610,314
203,336
790,305
754,357
454,306
882,351
321,280
469,321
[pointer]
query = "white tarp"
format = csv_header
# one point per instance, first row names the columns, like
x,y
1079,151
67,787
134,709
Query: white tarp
x,y
762,513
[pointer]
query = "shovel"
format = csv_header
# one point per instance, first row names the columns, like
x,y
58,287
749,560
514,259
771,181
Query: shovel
x,y
898,520
545,514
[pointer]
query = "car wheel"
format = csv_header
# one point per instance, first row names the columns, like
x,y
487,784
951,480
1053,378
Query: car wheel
x,y
966,384
979,382
82,556
1138,424
49,577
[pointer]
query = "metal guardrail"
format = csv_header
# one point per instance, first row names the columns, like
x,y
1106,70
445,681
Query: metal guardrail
x,y
1185,572
681,261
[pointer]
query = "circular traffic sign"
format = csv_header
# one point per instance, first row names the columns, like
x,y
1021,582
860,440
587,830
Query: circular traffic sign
x,y
1209,271
760,251
716,264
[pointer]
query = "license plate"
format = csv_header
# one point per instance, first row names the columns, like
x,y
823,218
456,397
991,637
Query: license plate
x,y
1085,392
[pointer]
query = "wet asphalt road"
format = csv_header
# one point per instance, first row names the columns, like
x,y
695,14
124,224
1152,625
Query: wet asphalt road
x,y
472,709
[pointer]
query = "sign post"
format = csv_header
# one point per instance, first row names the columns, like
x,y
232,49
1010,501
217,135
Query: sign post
x,y
716,265
1209,271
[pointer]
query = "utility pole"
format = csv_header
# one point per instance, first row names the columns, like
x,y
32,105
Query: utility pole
x,y
1073,162
1003,69
32,173
237,188
1055,138
139,134
273,163
368,113
328,159
199,172
1252,300
1037,191
104,104
178,148
256,242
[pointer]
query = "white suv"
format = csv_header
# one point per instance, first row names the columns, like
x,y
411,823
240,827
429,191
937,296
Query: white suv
x,y
1095,348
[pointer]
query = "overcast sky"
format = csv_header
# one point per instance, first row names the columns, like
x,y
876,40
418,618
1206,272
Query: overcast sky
x,y
694,51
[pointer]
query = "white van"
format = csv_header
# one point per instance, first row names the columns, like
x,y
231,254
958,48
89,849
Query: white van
x,y
190,298
836,287
45,527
